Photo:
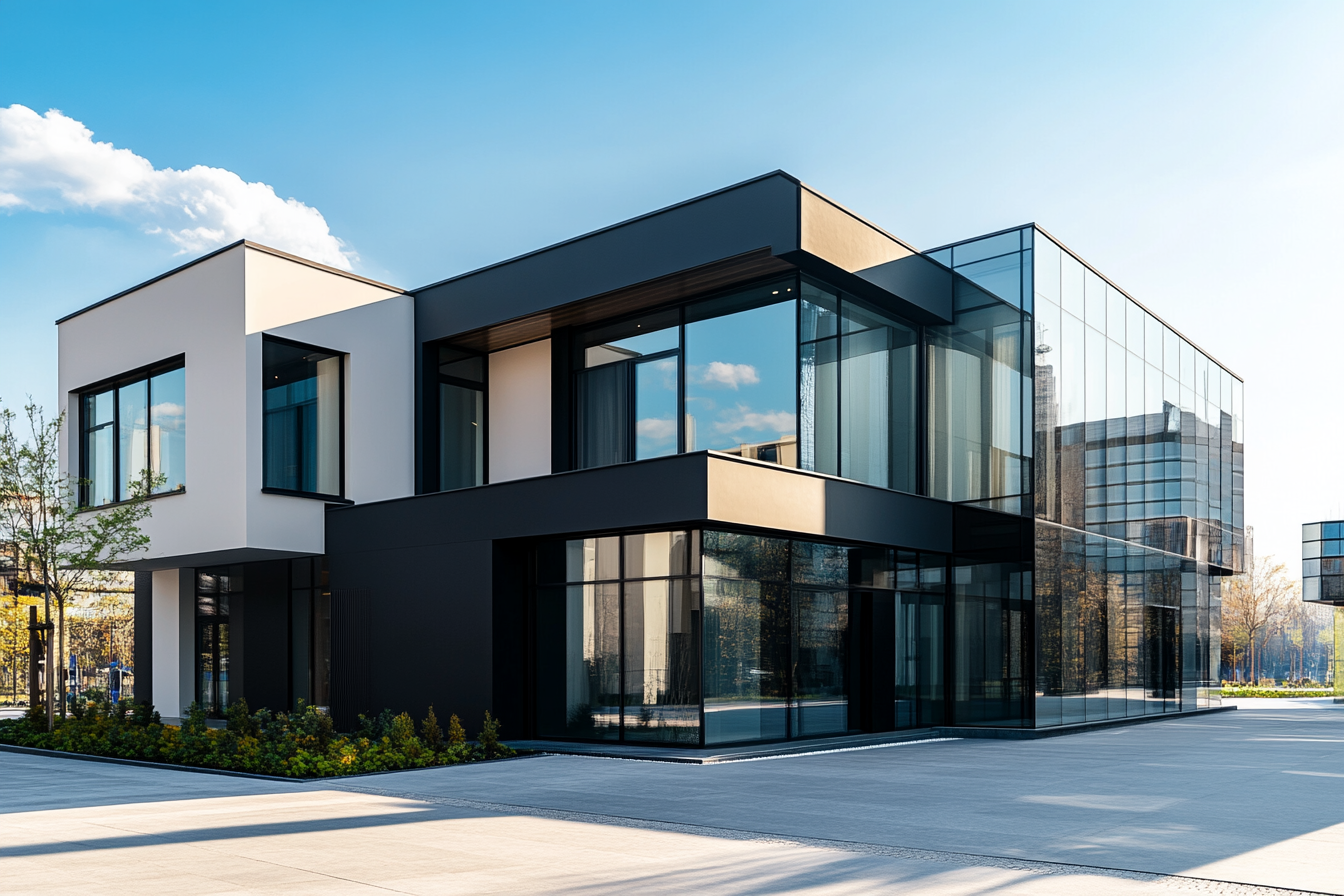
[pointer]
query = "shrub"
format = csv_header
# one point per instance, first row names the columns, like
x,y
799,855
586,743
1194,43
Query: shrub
x,y
300,744
457,735
431,733
489,739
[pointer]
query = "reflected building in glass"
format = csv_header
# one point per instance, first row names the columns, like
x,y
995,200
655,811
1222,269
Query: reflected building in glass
x,y
1137,487
748,468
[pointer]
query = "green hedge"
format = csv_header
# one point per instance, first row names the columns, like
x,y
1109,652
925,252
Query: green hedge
x,y
1277,692
296,745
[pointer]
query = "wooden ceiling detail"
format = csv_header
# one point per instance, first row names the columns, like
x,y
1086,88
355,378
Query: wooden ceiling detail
x,y
650,294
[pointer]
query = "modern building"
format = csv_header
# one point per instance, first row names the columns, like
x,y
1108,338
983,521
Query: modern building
x,y
1323,562
746,468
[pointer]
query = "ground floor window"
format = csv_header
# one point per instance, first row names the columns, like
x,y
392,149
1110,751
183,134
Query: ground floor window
x,y
215,590
309,633
726,637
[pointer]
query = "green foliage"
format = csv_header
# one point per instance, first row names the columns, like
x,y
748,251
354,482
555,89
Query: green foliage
x,y
431,733
457,735
303,744
489,739
1276,692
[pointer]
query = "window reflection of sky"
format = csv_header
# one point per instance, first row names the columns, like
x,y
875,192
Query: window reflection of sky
x,y
740,378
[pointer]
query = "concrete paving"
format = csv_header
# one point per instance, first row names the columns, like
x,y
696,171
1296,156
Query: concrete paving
x,y
1244,802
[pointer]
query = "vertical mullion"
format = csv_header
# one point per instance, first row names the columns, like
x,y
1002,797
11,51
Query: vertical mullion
x,y
798,377
682,447
116,445
620,639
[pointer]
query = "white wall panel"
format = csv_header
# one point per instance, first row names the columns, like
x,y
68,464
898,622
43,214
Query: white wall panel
x,y
519,412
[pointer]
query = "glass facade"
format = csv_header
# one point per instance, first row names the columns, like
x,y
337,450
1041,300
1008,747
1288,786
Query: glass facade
x,y
1137,481
134,428
727,637
618,654
791,372
302,407
1102,450
1323,562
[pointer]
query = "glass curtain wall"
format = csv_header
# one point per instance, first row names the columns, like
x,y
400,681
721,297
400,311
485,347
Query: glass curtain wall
x,y
461,418
1139,445
1139,432
791,372
301,429
979,388
645,638
857,380
992,658
135,428
1123,630
921,652
618,653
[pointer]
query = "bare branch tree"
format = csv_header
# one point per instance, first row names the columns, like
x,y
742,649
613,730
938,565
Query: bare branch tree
x,y
1254,603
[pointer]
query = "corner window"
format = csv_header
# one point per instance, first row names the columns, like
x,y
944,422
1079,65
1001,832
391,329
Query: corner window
x,y
302,406
628,390
130,429
461,418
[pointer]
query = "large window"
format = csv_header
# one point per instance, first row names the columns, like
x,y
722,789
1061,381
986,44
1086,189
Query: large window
x,y
857,388
628,391
618,638
461,418
790,372
133,432
302,441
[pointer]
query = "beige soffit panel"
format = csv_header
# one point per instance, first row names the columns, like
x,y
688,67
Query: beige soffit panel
x,y
765,496
843,238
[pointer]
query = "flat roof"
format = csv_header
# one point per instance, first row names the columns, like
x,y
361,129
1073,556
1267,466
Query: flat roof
x,y
222,249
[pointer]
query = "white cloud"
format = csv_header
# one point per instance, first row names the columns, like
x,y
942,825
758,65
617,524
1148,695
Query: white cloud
x,y
656,430
722,373
51,163
742,417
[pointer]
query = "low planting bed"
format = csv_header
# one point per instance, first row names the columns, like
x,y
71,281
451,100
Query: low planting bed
x,y
303,744
1278,692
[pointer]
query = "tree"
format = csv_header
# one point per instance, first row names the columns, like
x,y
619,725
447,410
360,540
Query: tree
x,y
66,545
1254,604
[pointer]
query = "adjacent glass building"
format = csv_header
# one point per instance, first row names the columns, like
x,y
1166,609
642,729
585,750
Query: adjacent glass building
x,y
1323,562
1137,487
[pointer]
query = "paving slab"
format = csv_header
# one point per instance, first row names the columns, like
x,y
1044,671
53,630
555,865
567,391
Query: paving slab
x,y
1240,803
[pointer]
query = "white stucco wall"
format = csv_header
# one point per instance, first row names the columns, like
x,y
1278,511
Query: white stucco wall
x,y
197,312
214,312
519,412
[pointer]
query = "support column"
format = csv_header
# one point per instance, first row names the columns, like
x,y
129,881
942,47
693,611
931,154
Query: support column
x,y
173,619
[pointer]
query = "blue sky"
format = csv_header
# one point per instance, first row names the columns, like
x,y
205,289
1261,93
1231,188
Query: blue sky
x,y
1191,151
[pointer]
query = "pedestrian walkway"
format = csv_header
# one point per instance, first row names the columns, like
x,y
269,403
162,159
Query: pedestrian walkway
x,y
1231,803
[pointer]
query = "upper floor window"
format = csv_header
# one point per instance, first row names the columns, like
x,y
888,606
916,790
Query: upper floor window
x,y
302,440
461,418
132,430
789,372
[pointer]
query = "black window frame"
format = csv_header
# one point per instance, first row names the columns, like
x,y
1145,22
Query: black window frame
x,y
338,498
442,379
140,374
